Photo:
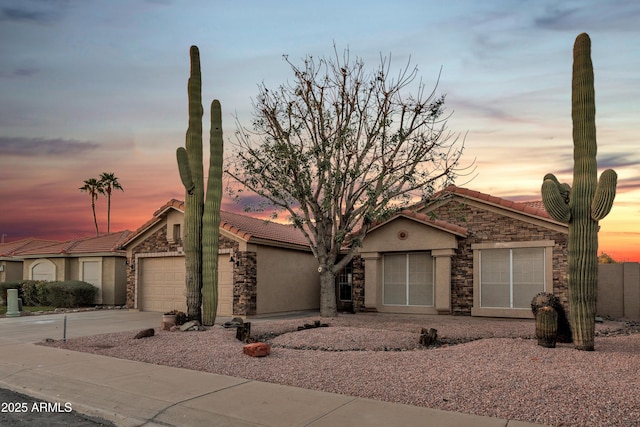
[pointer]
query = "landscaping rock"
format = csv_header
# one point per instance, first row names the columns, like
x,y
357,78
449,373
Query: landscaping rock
x,y
234,323
257,349
192,325
145,334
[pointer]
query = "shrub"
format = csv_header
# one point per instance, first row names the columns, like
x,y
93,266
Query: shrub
x,y
69,294
27,291
42,292
29,294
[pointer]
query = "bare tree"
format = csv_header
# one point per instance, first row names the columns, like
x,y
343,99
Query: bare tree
x,y
339,148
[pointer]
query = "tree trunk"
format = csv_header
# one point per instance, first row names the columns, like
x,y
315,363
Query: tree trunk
x,y
95,220
328,306
109,213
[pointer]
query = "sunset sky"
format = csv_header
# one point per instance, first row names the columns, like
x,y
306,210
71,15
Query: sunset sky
x,y
100,86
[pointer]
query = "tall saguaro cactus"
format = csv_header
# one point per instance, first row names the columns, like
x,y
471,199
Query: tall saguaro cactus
x,y
201,219
211,219
585,204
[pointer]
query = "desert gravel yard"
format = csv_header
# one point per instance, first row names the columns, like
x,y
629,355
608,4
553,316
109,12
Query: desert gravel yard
x,y
490,367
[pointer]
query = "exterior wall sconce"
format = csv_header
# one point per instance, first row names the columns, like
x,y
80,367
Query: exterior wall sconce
x,y
235,262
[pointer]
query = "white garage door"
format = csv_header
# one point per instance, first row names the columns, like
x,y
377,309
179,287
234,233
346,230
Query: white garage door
x,y
161,285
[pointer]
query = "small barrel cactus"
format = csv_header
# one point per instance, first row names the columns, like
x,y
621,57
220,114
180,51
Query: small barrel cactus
x,y
546,327
544,299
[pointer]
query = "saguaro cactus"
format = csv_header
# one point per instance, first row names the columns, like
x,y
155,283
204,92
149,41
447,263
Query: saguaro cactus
x,y
201,220
211,219
585,204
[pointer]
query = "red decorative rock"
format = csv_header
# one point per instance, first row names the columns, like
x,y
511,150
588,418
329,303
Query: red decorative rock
x,y
257,349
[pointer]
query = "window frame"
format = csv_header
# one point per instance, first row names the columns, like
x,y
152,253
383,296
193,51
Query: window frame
x,y
478,309
407,283
511,282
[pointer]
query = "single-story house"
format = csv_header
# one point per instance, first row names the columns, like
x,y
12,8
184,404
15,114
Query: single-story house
x,y
96,260
263,267
462,252
10,266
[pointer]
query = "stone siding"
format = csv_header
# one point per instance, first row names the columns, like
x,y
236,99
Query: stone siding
x,y
245,289
487,227
357,283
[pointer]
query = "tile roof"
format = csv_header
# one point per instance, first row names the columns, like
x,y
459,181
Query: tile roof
x,y
535,203
247,227
534,208
243,226
108,243
11,248
425,219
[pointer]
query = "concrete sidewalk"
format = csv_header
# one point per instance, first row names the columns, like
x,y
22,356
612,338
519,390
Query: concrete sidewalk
x,y
133,393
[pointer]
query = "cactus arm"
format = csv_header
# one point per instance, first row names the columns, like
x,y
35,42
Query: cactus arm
x,y
211,219
555,200
185,170
604,195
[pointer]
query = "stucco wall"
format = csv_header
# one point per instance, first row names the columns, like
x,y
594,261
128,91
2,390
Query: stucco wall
x,y
12,271
114,281
416,237
407,235
288,280
61,269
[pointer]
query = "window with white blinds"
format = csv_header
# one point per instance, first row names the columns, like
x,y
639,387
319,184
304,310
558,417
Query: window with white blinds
x,y
510,278
408,279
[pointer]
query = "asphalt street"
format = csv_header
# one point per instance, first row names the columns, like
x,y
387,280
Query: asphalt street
x,y
19,410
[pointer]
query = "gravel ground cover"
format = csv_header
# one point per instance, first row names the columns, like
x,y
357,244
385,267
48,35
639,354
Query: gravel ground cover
x,y
490,367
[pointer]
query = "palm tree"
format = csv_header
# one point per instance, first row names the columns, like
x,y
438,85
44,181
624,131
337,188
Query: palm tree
x,y
109,182
93,187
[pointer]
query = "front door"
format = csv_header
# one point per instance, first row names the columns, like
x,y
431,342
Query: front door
x,y
344,289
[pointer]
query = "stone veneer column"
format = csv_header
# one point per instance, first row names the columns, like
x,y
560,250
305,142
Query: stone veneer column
x,y
443,279
245,292
357,283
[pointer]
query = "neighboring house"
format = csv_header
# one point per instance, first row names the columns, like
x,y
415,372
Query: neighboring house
x,y
263,267
10,266
96,260
464,252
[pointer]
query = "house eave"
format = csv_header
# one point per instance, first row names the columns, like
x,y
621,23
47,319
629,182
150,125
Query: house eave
x,y
71,255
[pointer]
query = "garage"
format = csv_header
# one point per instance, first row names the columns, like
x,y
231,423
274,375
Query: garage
x,y
161,284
